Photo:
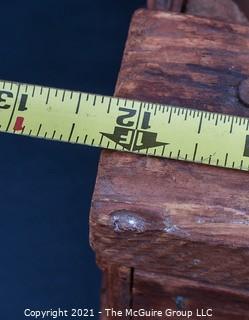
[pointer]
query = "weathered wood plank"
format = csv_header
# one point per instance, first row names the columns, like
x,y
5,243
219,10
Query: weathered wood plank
x,y
160,292
168,216
168,5
158,4
225,10
207,73
116,289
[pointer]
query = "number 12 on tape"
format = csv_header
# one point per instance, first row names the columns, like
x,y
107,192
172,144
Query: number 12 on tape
x,y
125,125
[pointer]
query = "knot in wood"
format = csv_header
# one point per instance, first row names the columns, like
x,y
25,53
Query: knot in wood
x,y
124,220
244,92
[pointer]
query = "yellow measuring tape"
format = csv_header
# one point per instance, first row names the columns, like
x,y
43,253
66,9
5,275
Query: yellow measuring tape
x,y
125,125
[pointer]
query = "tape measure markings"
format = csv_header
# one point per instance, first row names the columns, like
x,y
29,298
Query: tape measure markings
x,y
12,113
122,124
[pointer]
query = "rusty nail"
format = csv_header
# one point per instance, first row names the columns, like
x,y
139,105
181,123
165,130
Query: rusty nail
x,y
244,92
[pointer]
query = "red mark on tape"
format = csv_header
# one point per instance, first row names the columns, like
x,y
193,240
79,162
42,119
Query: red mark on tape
x,y
19,124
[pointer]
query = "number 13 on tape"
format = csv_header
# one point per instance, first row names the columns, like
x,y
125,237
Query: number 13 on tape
x,y
125,125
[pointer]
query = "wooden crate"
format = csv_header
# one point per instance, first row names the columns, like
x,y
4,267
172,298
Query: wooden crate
x,y
170,234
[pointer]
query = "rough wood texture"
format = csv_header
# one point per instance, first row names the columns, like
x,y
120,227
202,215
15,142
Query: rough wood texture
x,y
213,60
188,295
116,289
225,10
168,5
171,217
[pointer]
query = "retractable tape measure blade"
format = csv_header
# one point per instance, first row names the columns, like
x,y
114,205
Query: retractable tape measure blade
x,y
125,125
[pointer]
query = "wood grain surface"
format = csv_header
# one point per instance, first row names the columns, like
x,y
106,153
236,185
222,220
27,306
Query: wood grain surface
x,y
116,290
165,216
168,5
225,10
160,292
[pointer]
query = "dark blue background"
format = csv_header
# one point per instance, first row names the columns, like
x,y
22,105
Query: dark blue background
x,y
46,187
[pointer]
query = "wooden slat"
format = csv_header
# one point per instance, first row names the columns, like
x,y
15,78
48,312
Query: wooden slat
x,y
116,289
171,217
225,10
168,5
160,292
158,4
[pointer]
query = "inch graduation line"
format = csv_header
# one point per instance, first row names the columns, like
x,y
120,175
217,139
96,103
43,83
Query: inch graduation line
x,y
125,125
